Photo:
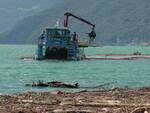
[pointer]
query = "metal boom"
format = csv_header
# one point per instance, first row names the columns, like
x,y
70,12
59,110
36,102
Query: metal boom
x,y
92,34
77,17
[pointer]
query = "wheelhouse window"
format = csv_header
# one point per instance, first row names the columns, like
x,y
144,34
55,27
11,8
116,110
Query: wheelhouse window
x,y
58,33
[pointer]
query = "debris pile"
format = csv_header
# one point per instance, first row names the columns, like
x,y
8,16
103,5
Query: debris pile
x,y
100,101
54,84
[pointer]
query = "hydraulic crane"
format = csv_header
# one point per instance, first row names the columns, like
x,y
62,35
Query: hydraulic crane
x,y
92,34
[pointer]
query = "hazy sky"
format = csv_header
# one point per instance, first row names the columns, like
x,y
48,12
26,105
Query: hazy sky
x,y
12,11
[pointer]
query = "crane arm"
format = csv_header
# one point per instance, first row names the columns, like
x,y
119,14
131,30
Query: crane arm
x,y
92,34
79,18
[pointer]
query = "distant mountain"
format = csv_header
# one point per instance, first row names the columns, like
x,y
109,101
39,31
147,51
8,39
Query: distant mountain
x,y
117,21
11,11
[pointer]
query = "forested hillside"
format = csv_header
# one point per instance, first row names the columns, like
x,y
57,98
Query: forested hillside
x,y
118,22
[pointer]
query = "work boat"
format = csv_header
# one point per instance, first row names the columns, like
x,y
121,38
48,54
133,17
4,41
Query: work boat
x,y
58,42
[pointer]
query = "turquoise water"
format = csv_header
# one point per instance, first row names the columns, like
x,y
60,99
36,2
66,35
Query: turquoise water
x,y
15,73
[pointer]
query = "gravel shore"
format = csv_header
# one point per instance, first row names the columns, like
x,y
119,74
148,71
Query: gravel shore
x,y
103,101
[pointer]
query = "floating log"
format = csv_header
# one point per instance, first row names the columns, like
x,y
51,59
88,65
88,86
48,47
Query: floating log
x,y
54,84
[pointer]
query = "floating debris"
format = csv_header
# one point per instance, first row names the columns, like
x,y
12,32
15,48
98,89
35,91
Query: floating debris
x,y
58,84
137,53
54,84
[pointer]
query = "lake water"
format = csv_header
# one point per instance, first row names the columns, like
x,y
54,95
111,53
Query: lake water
x,y
15,73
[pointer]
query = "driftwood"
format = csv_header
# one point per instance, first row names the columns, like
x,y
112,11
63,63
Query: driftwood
x,y
54,84
113,105
140,110
67,85
102,104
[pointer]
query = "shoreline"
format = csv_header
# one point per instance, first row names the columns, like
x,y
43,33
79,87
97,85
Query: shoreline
x,y
117,57
116,100
102,57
